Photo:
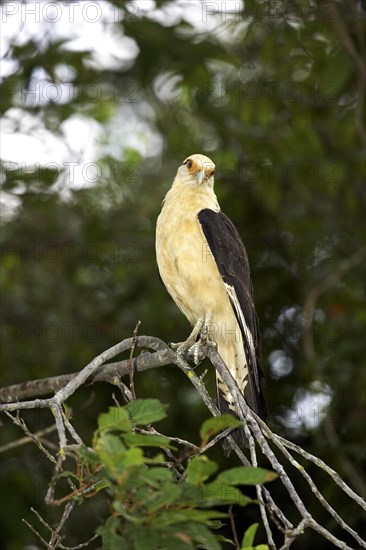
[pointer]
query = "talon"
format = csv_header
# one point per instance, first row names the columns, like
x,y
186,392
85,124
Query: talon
x,y
182,347
212,343
180,359
195,350
203,375
204,334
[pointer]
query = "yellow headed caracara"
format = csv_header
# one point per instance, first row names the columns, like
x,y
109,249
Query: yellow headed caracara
x,y
204,266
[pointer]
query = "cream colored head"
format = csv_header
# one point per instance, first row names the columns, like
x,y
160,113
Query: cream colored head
x,y
197,169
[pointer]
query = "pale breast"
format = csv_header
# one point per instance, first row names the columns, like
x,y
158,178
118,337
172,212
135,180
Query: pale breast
x,y
187,266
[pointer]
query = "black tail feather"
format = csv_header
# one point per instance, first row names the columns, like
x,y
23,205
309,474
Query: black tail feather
x,y
238,434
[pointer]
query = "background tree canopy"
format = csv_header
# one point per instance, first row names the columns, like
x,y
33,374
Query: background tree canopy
x,y
100,104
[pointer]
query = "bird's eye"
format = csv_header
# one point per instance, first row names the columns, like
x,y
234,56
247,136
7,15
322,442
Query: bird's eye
x,y
189,164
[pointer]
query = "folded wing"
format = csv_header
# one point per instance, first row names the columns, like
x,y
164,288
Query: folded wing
x,y
231,259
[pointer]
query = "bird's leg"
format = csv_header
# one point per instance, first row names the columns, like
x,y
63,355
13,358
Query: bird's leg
x,y
190,343
199,347
196,348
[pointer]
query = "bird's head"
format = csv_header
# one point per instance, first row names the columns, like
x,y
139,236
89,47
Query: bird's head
x,y
198,169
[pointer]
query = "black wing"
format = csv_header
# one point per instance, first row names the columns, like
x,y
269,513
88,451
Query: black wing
x,y
231,259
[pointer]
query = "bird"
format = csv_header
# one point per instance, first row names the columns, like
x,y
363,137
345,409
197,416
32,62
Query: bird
x,y
204,266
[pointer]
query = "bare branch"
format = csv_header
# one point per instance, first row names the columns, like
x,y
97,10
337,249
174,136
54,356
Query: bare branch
x,y
256,430
109,372
134,342
258,488
253,422
35,438
233,528
334,475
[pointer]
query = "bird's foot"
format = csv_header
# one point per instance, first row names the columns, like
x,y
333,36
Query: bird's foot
x,y
199,349
196,352
194,348
191,346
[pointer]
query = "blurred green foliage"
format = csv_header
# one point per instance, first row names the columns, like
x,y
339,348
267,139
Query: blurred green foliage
x,y
152,507
275,96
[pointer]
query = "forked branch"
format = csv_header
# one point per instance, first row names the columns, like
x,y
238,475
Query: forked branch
x,y
260,437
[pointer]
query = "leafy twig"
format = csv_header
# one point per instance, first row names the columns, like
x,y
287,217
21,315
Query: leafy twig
x,y
258,433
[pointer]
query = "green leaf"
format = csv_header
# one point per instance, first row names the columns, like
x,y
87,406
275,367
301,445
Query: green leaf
x,y
199,469
221,538
201,535
220,492
142,440
102,484
191,495
333,78
246,475
176,537
87,456
67,473
132,519
111,540
248,538
158,475
158,458
188,536
145,538
167,495
171,517
133,457
145,411
217,424
117,418
110,450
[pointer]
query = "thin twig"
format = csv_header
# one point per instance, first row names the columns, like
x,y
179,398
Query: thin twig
x,y
36,437
213,441
256,430
109,372
44,542
251,419
174,439
32,437
258,488
319,462
233,528
65,516
134,342
316,491
179,469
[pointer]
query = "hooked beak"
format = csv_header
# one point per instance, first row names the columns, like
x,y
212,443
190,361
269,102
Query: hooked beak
x,y
200,176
